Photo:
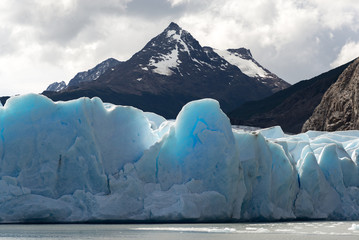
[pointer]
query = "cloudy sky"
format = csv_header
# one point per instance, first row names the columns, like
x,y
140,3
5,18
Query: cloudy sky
x,y
43,41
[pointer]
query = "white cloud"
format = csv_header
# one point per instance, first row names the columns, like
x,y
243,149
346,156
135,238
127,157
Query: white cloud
x,y
348,52
281,34
297,39
337,14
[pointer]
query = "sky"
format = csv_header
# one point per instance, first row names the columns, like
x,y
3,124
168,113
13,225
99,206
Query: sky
x,y
46,41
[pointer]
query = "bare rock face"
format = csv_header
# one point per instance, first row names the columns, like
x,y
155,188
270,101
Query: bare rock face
x,y
339,107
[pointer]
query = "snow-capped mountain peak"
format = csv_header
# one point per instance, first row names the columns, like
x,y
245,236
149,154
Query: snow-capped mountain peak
x,y
173,68
166,52
173,42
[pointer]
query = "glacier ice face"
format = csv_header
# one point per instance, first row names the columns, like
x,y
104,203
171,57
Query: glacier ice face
x,y
84,160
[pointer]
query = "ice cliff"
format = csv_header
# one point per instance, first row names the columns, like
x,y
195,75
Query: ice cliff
x,y
84,160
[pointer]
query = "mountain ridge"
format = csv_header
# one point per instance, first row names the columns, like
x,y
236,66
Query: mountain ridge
x,y
174,67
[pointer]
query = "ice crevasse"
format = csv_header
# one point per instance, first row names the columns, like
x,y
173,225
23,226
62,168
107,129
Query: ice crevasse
x,y
85,160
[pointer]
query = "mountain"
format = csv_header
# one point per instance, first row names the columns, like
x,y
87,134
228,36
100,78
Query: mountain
x,y
339,107
94,73
56,86
84,77
173,69
242,58
288,108
4,99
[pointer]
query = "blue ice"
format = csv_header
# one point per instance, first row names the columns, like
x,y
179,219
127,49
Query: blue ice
x,y
85,160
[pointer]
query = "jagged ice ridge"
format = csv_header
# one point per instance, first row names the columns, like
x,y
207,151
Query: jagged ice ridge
x,y
84,160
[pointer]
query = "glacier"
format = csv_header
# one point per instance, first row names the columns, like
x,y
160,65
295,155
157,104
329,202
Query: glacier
x,y
88,161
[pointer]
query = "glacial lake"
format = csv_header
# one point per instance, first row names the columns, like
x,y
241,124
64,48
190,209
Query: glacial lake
x,y
286,230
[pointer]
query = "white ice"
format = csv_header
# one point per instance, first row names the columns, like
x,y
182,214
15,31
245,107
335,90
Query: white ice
x,y
84,160
354,227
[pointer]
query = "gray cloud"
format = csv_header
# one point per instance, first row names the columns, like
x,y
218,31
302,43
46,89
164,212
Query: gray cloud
x,y
7,43
296,39
153,10
62,21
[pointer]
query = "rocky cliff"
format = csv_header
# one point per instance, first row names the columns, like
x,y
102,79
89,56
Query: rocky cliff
x,y
338,109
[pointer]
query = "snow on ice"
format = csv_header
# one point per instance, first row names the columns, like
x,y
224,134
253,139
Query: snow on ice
x,y
84,160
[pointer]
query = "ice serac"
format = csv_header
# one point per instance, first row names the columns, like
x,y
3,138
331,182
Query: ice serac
x,y
85,160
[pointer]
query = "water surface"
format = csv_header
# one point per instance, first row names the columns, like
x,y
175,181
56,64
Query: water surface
x,y
289,230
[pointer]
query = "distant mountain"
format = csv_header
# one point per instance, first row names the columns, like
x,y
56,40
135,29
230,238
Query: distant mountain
x,y
289,108
339,107
94,73
84,77
56,86
172,69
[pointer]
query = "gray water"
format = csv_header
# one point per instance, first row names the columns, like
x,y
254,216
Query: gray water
x,y
290,230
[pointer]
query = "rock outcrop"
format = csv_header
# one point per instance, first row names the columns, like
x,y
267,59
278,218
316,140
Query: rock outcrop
x,y
339,107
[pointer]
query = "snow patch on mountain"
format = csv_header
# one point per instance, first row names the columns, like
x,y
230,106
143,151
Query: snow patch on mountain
x,y
144,68
172,34
247,66
163,63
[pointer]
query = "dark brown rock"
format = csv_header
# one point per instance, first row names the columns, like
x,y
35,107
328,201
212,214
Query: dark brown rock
x,y
338,109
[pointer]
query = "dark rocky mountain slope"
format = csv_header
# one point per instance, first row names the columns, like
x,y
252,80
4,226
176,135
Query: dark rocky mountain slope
x,y
289,108
94,73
